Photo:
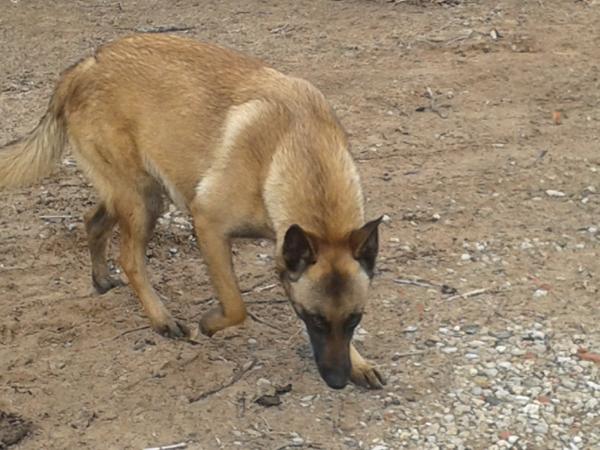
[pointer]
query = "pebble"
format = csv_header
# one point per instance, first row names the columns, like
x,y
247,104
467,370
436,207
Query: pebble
x,y
554,193
497,386
491,373
502,334
449,349
471,329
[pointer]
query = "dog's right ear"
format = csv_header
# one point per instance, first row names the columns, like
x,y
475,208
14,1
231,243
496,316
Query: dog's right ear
x,y
364,243
299,251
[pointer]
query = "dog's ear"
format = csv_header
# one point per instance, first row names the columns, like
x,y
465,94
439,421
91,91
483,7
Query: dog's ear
x,y
364,244
299,251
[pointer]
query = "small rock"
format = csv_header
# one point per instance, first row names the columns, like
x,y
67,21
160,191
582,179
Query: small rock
x,y
554,193
471,329
502,334
268,400
449,350
532,410
491,373
264,386
493,401
521,399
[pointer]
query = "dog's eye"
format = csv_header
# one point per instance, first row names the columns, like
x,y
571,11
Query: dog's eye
x,y
318,323
353,321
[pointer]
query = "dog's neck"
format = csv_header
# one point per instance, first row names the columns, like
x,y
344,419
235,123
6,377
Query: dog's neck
x,y
317,188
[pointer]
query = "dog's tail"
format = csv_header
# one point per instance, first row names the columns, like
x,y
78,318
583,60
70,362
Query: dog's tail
x,y
26,160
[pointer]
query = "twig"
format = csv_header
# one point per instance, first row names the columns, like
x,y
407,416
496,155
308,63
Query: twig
x,y
408,354
259,320
123,333
293,336
258,287
260,302
432,107
163,29
469,294
132,330
234,379
419,283
168,447
64,216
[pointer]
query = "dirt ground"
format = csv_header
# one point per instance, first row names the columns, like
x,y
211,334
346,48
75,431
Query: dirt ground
x,y
452,109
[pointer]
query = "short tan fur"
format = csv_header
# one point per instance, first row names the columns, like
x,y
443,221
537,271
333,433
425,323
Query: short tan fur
x,y
246,150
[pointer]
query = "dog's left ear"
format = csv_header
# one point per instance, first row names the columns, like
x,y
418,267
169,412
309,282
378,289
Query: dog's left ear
x,y
364,244
299,251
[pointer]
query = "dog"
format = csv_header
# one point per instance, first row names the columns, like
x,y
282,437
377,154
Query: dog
x,y
246,150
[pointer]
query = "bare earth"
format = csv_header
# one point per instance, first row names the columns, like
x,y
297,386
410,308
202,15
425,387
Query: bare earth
x,y
449,105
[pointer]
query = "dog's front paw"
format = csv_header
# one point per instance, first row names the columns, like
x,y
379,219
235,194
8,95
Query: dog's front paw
x,y
367,376
172,329
214,320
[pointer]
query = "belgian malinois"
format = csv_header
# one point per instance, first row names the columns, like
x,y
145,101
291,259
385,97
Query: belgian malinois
x,y
246,150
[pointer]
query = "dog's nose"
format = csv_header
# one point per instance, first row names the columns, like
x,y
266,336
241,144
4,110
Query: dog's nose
x,y
336,379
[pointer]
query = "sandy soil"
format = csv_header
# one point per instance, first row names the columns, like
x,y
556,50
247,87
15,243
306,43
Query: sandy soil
x,y
450,110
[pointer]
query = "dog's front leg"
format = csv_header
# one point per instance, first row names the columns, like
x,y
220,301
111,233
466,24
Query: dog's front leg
x,y
216,250
363,373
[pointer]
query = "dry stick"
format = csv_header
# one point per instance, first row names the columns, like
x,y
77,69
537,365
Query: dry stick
x,y
132,330
256,288
168,447
407,354
259,320
123,333
59,216
163,29
473,293
261,302
419,283
234,379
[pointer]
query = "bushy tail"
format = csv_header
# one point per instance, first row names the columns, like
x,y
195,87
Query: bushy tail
x,y
33,157
28,159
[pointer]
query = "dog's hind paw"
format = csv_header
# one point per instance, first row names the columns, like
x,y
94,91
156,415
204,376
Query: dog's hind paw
x,y
103,285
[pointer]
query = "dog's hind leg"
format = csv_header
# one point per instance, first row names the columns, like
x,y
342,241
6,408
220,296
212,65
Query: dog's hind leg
x,y
137,211
99,224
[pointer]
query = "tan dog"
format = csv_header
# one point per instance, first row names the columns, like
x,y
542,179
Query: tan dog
x,y
248,151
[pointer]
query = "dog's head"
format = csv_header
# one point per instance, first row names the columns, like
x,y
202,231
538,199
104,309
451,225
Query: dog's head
x,y
327,283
